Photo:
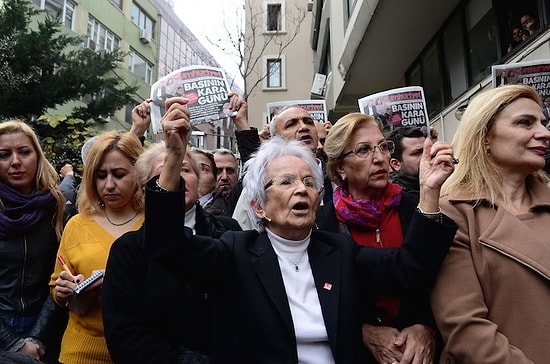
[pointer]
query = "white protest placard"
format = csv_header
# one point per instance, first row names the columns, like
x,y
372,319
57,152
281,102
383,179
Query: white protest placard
x,y
395,108
316,108
532,73
205,87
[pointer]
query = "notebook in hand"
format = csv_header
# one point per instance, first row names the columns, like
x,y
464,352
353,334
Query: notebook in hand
x,y
88,282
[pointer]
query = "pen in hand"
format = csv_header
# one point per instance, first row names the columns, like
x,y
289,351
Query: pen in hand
x,y
64,266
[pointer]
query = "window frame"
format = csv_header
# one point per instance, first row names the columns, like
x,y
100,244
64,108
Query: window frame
x,y
67,5
143,21
132,55
117,3
96,31
458,76
282,13
282,72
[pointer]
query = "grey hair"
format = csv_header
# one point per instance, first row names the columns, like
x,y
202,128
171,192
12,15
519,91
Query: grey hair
x,y
144,167
143,164
86,148
273,123
224,151
255,170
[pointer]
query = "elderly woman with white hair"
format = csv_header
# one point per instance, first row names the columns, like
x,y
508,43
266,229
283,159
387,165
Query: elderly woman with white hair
x,y
286,294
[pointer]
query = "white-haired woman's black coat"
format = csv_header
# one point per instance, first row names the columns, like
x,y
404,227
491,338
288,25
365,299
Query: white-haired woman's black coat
x,y
252,322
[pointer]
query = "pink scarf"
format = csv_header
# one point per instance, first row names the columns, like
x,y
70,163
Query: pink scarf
x,y
364,214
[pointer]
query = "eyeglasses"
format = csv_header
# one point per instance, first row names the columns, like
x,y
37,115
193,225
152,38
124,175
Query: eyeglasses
x,y
365,150
287,181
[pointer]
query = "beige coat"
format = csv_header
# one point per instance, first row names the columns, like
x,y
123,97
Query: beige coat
x,y
491,300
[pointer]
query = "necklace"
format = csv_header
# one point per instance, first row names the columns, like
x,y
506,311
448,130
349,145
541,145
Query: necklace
x,y
122,223
296,264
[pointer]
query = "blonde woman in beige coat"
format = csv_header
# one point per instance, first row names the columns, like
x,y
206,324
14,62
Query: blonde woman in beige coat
x,y
491,300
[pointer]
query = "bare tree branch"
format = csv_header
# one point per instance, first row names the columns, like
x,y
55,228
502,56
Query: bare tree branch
x,y
248,42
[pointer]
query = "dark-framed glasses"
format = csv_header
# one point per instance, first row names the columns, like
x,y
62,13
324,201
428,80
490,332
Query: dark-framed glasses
x,y
287,181
365,150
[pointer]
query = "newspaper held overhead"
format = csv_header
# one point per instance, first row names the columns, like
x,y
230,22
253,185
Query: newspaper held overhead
x,y
405,106
205,87
532,73
316,108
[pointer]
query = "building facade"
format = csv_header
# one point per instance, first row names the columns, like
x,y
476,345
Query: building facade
x,y
277,55
156,43
447,47
108,25
179,47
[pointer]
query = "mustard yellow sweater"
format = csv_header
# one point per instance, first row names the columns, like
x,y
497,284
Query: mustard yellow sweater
x,y
85,246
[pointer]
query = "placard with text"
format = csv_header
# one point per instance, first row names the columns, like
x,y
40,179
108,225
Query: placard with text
x,y
205,87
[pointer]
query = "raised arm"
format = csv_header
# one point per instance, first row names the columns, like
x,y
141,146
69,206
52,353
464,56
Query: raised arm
x,y
238,105
176,127
141,118
436,166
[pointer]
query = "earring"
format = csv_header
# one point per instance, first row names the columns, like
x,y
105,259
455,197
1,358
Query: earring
x,y
267,219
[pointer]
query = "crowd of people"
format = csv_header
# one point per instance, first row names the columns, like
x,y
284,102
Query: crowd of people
x,y
326,242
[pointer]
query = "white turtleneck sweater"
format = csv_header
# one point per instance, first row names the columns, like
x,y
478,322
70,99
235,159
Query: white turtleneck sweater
x,y
309,327
190,218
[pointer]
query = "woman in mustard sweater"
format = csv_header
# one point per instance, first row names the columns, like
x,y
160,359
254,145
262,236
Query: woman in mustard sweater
x,y
110,204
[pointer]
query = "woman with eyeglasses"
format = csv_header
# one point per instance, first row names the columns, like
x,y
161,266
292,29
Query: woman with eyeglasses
x,y
286,293
378,214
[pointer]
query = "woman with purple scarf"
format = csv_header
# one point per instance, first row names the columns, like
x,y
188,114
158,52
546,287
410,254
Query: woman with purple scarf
x,y
399,326
31,222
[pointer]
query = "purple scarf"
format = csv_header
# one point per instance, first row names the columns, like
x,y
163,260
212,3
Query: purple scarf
x,y
20,212
364,214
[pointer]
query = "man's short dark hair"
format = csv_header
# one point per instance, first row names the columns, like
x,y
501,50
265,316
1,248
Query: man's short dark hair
x,y
397,135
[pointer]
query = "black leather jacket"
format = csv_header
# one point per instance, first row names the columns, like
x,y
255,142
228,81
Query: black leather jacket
x,y
27,264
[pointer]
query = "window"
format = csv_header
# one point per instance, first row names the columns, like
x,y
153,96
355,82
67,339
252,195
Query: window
x,y
118,3
274,71
481,34
100,37
454,57
431,74
351,6
274,16
142,20
427,74
97,96
140,67
477,35
64,9
128,111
